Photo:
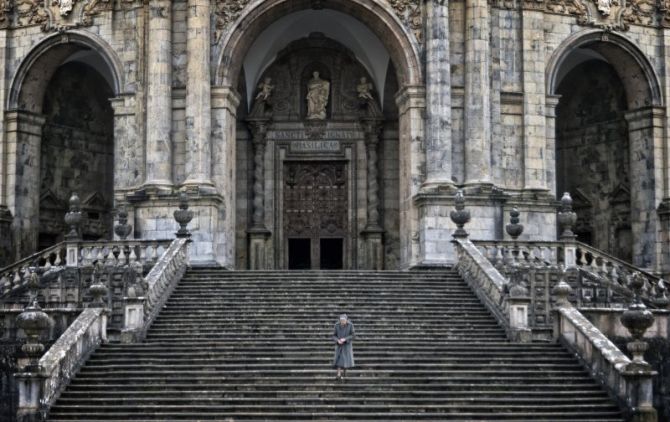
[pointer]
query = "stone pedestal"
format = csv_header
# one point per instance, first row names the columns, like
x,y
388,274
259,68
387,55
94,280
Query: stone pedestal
x,y
374,249
258,259
30,387
133,318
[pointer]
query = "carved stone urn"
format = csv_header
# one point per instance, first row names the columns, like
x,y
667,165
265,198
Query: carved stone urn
x,y
98,289
566,217
183,216
34,322
514,229
637,319
73,218
122,229
460,216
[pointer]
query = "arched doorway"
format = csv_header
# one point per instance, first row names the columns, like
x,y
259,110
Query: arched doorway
x,y
287,157
61,120
605,137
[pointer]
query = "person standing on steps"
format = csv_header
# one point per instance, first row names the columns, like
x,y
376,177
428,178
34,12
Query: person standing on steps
x,y
343,336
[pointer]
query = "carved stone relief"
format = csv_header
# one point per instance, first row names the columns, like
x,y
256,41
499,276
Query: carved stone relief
x,y
612,14
51,14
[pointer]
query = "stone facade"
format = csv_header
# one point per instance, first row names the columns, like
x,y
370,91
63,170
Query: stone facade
x,y
514,101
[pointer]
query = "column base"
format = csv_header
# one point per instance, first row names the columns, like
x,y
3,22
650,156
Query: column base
x,y
158,187
374,248
199,187
257,251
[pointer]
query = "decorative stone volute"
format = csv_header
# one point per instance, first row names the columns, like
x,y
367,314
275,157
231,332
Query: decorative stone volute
x,y
514,229
460,216
122,229
566,217
637,319
73,218
183,216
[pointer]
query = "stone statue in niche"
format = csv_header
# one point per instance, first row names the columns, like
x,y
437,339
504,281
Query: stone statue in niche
x,y
365,97
64,6
318,91
262,101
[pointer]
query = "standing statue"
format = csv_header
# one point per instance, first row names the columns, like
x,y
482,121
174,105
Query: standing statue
x,y
317,97
364,89
262,101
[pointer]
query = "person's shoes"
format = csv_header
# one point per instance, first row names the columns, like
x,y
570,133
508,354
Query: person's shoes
x,y
338,377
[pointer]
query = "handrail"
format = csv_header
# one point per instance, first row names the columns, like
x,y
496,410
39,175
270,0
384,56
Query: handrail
x,y
59,364
14,276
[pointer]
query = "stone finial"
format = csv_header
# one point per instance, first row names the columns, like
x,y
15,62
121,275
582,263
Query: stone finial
x,y
514,229
97,289
73,218
183,216
562,290
34,322
566,217
122,229
460,216
637,319
660,294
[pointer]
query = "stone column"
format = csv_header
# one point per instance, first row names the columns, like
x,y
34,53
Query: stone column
x,y
534,97
646,149
477,93
224,124
198,98
24,139
159,96
373,231
258,233
411,107
664,208
438,95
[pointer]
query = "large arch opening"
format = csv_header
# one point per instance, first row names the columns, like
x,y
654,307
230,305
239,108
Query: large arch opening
x,y
63,123
317,191
604,142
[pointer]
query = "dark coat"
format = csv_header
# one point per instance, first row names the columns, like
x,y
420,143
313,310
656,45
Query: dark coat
x,y
344,354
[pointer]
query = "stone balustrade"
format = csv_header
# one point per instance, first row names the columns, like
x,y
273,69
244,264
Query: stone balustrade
x,y
39,389
161,280
14,277
121,252
628,381
509,306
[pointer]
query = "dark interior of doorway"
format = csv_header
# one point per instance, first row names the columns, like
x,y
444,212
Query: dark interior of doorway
x,y
331,254
299,254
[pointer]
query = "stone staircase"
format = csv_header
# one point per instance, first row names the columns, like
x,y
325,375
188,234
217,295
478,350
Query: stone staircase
x,y
255,346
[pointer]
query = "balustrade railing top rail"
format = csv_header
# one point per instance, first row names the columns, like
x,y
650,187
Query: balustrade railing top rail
x,y
13,278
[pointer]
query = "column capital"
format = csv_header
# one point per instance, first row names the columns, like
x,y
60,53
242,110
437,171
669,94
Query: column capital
x,y
410,96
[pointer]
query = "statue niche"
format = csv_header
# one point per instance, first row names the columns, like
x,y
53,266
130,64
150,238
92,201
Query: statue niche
x,y
318,91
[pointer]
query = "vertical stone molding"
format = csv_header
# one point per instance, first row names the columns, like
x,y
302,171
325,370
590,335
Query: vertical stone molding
x,y
198,97
159,95
645,134
24,137
438,94
224,122
129,164
551,102
477,93
259,129
534,100
411,101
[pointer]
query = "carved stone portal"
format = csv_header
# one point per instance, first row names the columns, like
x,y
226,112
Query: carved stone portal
x,y
315,214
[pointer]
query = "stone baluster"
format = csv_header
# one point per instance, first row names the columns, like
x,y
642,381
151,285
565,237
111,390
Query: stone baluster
x,y
373,231
637,319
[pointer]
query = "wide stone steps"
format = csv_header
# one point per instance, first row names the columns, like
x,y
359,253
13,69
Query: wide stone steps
x,y
256,346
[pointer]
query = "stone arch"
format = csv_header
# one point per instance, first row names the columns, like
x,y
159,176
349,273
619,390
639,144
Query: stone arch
x,y
608,99
31,126
640,80
34,73
379,18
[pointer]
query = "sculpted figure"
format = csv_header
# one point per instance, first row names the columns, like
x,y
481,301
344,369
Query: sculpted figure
x,y
364,89
65,6
604,7
265,90
317,97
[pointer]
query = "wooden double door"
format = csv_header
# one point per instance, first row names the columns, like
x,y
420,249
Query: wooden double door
x,y
316,214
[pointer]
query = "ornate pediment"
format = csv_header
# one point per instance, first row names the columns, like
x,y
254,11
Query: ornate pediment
x,y
613,14
51,15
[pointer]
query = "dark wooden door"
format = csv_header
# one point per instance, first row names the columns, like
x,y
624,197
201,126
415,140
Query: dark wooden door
x,y
316,209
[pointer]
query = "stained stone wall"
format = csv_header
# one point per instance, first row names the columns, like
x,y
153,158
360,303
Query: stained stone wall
x,y
476,90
